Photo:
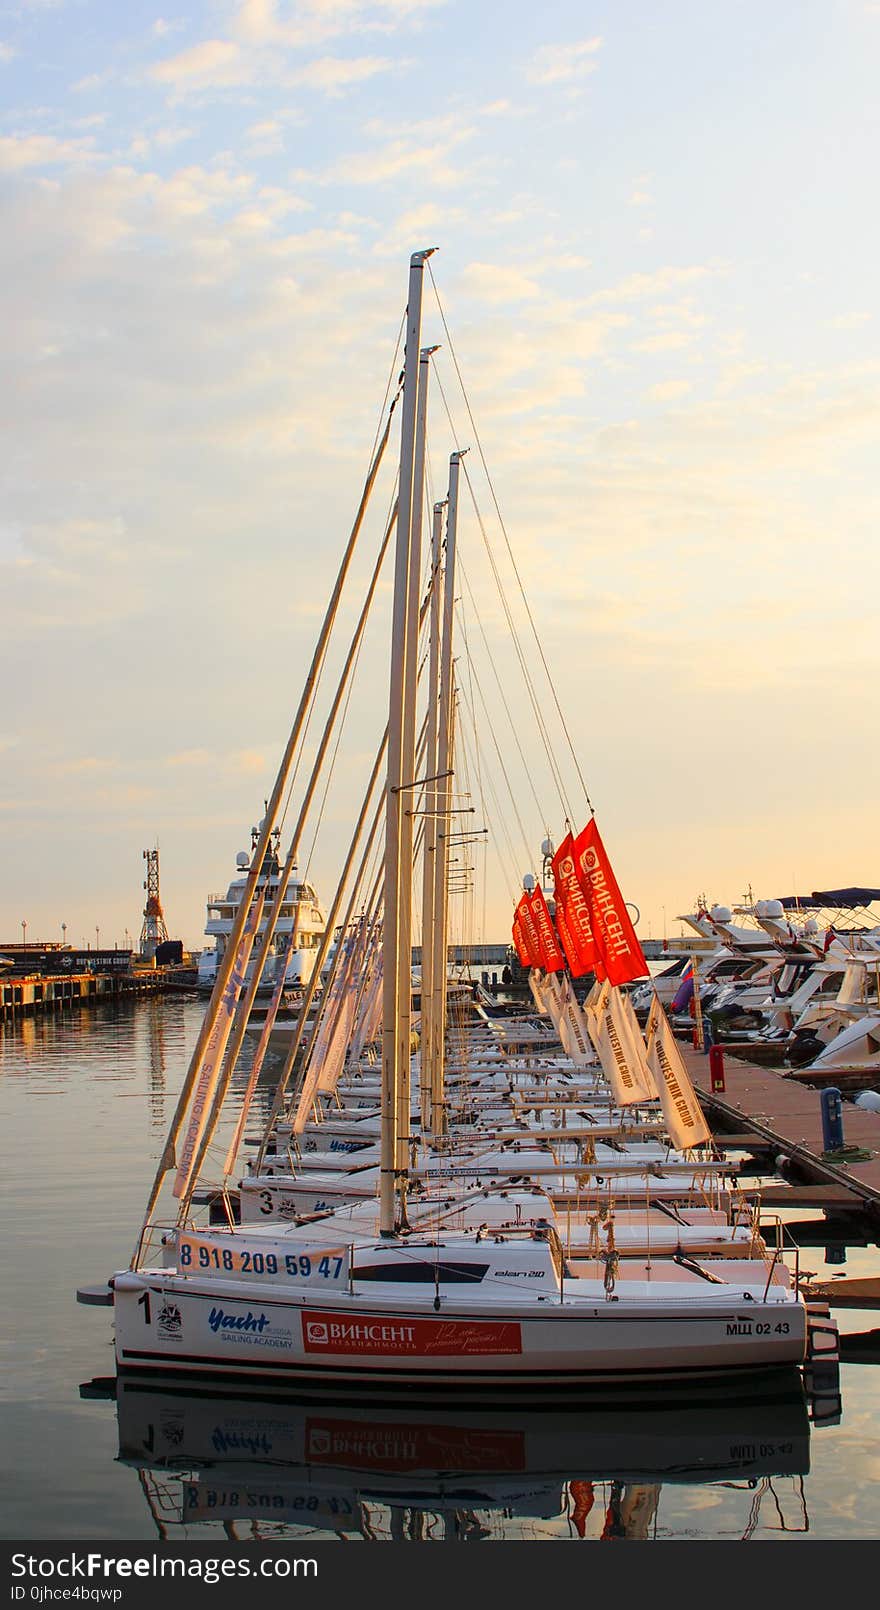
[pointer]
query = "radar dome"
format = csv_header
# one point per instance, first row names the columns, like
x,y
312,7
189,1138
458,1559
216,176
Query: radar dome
x,y
770,908
528,882
811,926
242,858
720,913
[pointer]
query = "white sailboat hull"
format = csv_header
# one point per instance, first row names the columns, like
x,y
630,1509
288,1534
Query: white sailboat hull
x,y
221,1328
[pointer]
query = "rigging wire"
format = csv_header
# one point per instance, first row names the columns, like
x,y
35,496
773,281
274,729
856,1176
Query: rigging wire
x,y
491,658
504,771
507,543
518,649
508,872
479,776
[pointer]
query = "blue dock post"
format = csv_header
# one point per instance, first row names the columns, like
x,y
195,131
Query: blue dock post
x,y
832,1120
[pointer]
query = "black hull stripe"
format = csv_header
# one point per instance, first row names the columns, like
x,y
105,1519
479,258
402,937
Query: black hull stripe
x,y
514,1380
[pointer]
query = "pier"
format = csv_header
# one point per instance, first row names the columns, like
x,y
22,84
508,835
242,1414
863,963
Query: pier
x,y
29,995
780,1115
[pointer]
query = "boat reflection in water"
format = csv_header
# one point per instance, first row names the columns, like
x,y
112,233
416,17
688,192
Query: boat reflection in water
x,y
258,1465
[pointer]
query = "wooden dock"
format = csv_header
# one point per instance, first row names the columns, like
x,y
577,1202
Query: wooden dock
x,y
762,1101
36,993
848,1293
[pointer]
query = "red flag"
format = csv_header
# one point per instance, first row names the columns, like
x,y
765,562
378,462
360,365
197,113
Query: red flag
x,y
573,910
567,942
584,1499
519,943
612,927
552,959
529,932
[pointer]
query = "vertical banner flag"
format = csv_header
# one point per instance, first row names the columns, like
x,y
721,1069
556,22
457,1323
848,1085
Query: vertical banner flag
x,y
613,1055
536,985
519,943
577,1040
566,940
629,1036
682,1112
573,911
614,933
552,959
529,932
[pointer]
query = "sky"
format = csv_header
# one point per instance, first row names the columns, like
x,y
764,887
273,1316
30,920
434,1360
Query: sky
x,y
656,257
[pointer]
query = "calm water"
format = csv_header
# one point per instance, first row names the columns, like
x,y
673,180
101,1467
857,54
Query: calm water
x,y
85,1101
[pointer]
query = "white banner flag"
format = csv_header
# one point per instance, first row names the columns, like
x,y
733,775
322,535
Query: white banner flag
x,y
682,1112
572,1027
614,1051
628,1026
539,995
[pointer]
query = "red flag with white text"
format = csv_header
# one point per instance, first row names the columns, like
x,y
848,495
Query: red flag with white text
x,y
573,911
552,959
519,943
529,932
612,926
569,948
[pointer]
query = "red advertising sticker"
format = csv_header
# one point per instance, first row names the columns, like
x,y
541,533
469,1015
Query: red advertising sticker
x,y
325,1332
355,1445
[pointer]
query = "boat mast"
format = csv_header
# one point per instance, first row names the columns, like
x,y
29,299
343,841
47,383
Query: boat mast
x,y
444,812
404,1079
430,841
397,942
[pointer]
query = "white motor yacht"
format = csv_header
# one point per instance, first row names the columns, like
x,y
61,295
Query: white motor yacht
x,y
298,931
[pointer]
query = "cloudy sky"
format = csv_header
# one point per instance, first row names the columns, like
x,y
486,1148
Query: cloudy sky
x,y
657,233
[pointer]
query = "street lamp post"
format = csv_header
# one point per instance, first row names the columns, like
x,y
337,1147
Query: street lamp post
x,y
64,933
23,931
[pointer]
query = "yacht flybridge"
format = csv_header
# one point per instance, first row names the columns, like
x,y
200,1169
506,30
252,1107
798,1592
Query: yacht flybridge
x,y
289,956
519,1224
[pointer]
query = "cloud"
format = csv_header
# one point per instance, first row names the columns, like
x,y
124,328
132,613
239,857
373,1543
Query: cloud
x,y
19,151
635,287
668,390
495,282
88,764
258,21
664,341
850,321
247,761
190,757
215,62
332,74
243,762
564,64
423,153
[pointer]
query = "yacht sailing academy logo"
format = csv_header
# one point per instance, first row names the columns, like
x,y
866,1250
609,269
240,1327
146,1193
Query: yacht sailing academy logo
x,y
384,1335
169,1321
250,1329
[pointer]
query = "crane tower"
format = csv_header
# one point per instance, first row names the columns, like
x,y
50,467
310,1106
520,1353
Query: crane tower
x,y
154,931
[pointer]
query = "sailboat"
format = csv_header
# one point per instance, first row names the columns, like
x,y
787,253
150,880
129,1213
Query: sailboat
x,y
480,1295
